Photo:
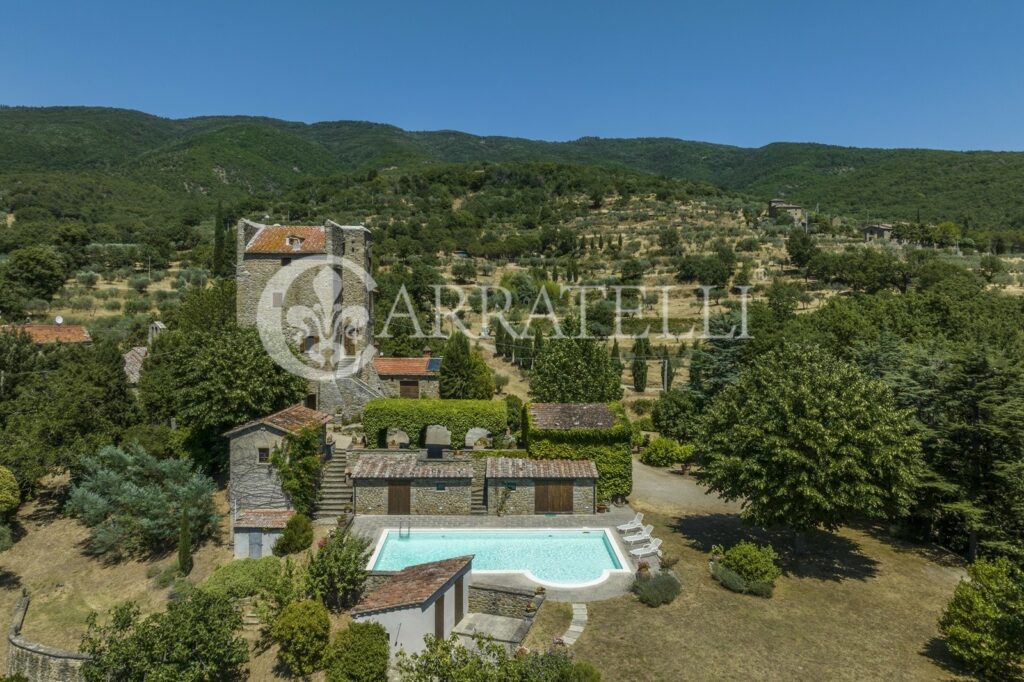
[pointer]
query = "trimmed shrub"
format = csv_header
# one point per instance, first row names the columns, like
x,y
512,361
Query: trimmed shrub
x,y
302,630
412,416
751,562
645,424
610,449
360,653
296,537
734,582
244,578
659,589
664,452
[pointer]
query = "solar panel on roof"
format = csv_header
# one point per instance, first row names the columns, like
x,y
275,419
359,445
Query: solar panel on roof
x,y
433,364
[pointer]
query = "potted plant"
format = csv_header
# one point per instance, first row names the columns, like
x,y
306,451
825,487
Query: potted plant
x,y
602,507
643,570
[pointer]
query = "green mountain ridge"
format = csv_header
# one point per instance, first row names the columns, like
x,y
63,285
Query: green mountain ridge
x,y
227,156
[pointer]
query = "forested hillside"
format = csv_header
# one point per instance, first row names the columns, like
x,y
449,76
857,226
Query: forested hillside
x,y
137,158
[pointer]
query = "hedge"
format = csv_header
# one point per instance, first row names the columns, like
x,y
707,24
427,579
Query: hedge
x,y
610,449
412,416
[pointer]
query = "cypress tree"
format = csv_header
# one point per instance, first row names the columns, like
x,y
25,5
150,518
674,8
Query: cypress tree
x,y
456,367
639,373
218,239
185,545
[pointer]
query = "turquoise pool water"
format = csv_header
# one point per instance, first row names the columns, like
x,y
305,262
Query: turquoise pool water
x,y
556,557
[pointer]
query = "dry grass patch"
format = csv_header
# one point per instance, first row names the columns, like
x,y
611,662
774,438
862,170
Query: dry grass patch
x,y
66,584
552,620
859,607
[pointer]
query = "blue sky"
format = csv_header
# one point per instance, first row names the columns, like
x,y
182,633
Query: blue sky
x,y
888,74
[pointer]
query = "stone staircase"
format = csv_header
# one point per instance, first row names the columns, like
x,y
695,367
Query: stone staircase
x,y
478,496
335,487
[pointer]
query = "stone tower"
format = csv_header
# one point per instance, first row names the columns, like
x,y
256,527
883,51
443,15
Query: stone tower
x,y
292,273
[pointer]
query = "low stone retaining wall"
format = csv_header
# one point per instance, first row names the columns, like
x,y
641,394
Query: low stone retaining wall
x,y
504,601
38,662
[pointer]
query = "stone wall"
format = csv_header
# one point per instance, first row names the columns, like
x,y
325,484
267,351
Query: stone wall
x,y
510,602
429,388
371,496
424,497
254,485
522,500
506,502
583,496
38,662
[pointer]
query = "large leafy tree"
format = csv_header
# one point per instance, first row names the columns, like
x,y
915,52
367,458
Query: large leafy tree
x,y
39,271
75,401
210,382
808,441
570,369
195,640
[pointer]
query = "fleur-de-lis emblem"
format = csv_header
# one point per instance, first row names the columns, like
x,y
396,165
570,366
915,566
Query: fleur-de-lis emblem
x,y
326,321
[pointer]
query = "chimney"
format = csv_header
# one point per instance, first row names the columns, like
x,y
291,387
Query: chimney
x,y
427,352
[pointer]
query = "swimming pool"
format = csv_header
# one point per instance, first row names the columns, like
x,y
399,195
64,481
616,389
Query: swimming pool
x,y
555,557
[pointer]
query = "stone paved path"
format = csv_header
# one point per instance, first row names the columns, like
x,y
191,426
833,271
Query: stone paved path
x,y
579,621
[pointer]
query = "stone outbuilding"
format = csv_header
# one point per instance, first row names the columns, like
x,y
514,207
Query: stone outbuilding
x,y
410,483
420,600
254,485
877,232
256,530
540,486
409,377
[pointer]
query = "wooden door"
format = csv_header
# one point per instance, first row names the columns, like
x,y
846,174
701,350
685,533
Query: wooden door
x,y
439,617
398,497
552,497
459,599
408,389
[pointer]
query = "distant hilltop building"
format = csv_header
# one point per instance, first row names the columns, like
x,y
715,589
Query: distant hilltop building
x,y
777,207
877,231
265,250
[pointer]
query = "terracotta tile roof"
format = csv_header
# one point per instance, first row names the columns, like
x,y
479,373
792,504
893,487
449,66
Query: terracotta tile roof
x,y
406,367
571,416
278,239
53,333
133,360
520,467
409,465
413,585
291,419
263,518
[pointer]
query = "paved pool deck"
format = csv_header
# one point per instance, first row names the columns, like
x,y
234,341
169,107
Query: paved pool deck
x,y
617,584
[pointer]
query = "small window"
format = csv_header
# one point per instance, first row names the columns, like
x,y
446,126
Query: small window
x,y
263,455
440,487
286,261
278,299
510,486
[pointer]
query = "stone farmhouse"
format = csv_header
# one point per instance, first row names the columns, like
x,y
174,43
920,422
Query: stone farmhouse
x,y
259,507
777,207
877,231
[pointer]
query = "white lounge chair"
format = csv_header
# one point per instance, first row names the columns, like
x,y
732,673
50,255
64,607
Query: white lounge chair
x,y
643,536
648,549
636,524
